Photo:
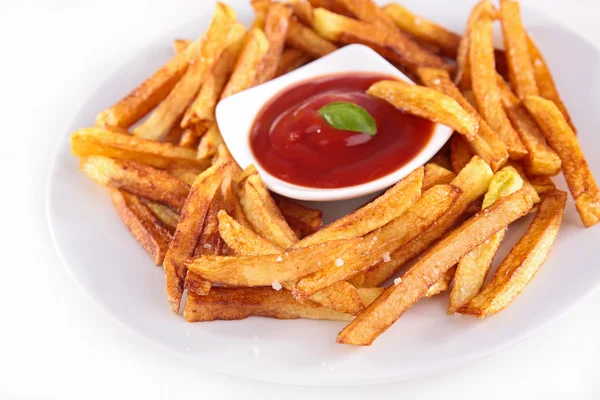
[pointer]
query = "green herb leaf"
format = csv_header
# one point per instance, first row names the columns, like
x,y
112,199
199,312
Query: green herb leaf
x,y
349,117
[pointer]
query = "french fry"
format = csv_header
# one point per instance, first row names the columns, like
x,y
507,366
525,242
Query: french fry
x,y
523,261
442,157
165,215
292,59
210,142
443,284
243,76
436,175
474,267
426,103
368,11
136,178
191,223
563,141
381,243
331,5
268,269
520,66
276,27
303,10
540,159
460,153
174,134
304,38
189,138
222,154
167,112
485,87
424,29
392,44
473,181
486,143
201,112
143,224
304,221
545,82
526,184
179,45
541,183
431,267
261,8
102,142
188,175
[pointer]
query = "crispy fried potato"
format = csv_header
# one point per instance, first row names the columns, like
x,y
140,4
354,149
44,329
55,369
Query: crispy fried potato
x,y
392,44
136,178
303,10
442,157
486,143
431,267
244,73
485,87
215,41
473,181
523,261
210,142
276,27
188,175
368,11
191,223
165,215
243,240
380,243
424,29
261,8
143,224
201,112
436,175
541,183
426,103
331,5
264,270
563,141
179,45
460,153
189,138
545,82
540,160
520,67
304,221
102,142
174,134
304,38
443,284
475,266
292,59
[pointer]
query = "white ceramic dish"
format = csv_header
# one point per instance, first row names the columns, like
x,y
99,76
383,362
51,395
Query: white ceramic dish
x,y
114,271
236,115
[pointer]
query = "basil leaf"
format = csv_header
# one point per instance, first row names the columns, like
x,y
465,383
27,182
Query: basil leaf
x,y
349,117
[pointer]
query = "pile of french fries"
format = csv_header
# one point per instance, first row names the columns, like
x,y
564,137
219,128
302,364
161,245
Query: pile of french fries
x,y
240,251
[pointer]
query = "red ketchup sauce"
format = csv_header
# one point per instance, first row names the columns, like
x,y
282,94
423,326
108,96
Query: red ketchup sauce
x,y
294,143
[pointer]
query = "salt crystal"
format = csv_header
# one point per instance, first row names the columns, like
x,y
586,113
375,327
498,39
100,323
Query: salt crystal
x,y
487,241
207,245
436,81
319,263
418,21
538,62
386,256
339,262
276,285
279,259
397,281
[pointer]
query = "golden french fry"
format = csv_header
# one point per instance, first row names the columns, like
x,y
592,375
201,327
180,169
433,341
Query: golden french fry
x,y
331,5
304,221
563,141
424,29
102,142
523,261
540,160
442,157
460,153
526,184
541,183
486,143
391,44
520,66
426,103
443,284
276,27
136,178
143,224
436,175
304,38
174,134
179,45
166,114
485,87
210,142
189,138
431,267
292,59
368,11
475,266
243,240
253,51
303,10
261,8
379,244
188,175
165,215
222,154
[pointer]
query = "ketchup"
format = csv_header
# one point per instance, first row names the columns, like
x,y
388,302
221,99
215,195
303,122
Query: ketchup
x,y
294,143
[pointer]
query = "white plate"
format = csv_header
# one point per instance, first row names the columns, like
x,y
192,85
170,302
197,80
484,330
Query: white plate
x,y
115,272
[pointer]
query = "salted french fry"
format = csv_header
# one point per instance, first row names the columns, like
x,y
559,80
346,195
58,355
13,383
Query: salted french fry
x,y
165,215
210,142
103,142
541,183
391,44
473,181
523,261
304,221
379,244
540,159
522,77
545,82
563,141
173,107
191,223
426,103
424,29
304,38
174,134
292,59
303,10
201,112
179,45
265,270
436,175
475,266
276,27
261,8
186,174
368,11
189,138
222,154
485,87
486,143
243,76
143,224
443,284
136,178
460,153
431,267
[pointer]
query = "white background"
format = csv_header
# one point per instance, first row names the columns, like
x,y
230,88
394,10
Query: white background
x,y
54,343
